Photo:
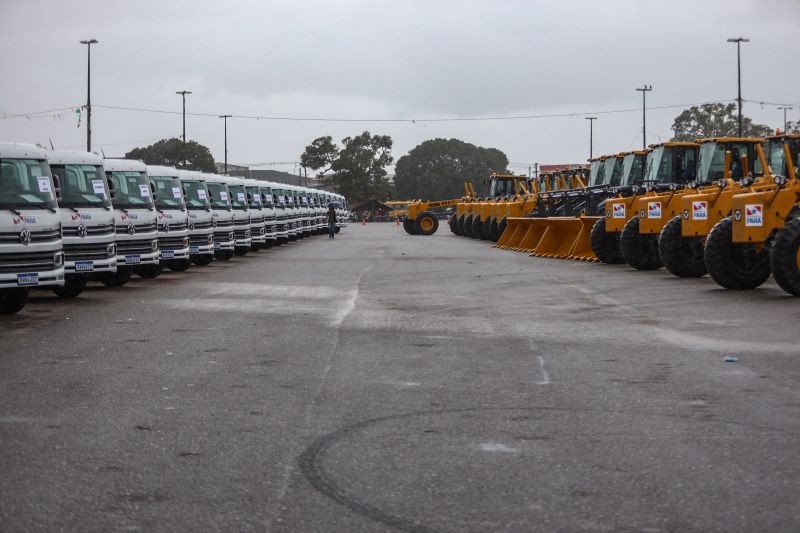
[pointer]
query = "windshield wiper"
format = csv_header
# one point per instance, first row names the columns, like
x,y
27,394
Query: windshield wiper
x,y
13,211
42,206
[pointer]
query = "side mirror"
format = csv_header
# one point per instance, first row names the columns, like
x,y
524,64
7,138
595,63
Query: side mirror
x,y
112,191
153,190
57,187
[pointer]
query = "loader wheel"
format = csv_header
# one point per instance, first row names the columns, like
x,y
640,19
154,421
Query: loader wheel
x,y
492,233
734,265
487,225
682,256
452,222
460,225
477,228
468,226
605,245
639,251
426,223
501,227
785,257
409,226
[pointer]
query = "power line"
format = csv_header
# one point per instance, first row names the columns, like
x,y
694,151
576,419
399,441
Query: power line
x,y
29,115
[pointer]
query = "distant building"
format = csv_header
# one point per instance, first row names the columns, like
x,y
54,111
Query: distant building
x,y
231,168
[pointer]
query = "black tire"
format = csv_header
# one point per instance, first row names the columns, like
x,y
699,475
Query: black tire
x,y
426,223
501,227
785,257
241,250
202,259
734,265
223,255
118,278
74,284
468,225
409,226
682,256
13,300
493,234
605,245
639,251
452,223
149,271
477,228
179,265
268,244
460,225
256,246
487,225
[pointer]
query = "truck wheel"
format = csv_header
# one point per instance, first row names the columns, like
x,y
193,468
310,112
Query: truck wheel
x,y
682,256
460,225
223,255
73,286
118,278
179,265
256,246
337,229
605,245
639,251
12,300
409,226
149,271
734,265
426,223
241,250
785,257
202,259
468,225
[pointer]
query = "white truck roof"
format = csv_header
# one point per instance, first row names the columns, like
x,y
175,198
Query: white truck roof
x,y
123,165
66,157
21,151
160,170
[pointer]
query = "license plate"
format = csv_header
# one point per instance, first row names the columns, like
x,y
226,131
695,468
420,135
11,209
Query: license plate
x,y
167,254
28,279
133,259
84,266
217,245
194,249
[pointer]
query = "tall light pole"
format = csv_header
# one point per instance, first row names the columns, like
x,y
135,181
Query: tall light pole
x,y
784,116
591,122
89,43
644,89
183,94
225,118
739,41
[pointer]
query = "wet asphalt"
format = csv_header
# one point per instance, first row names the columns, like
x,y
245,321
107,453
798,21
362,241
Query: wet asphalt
x,y
383,382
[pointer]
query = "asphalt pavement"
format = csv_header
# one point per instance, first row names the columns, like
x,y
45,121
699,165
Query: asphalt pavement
x,y
384,382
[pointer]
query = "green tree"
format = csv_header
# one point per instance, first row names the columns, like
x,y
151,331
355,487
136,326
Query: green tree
x,y
169,152
714,120
357,169
437,169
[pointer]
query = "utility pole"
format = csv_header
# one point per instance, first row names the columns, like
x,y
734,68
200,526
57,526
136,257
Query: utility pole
x,y
89,43
225,118
591,122
183,94
739,41
784,116
644,91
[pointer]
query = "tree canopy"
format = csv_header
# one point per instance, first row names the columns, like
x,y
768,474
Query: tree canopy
x,y
169,152
714,120
437,168
357,169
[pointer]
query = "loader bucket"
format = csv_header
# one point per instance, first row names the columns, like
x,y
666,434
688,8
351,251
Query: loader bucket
x,y
510,236
582,247
534,229
558,238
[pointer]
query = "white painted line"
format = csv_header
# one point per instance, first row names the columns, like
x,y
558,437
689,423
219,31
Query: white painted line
x,y
496,447
545,375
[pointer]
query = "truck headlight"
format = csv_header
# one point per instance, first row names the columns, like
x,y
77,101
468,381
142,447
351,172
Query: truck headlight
x,y
58,259
154,245
111,250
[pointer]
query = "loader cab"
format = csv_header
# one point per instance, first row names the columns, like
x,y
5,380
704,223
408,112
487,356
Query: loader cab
x,y
633,166
613,171
597,172
776,156
711,159
671,163
502,185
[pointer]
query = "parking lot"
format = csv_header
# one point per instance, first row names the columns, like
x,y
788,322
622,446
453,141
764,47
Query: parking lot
x,y
384,382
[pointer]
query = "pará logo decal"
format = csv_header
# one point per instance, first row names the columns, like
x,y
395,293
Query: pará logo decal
x,y
754,215
699,210
619,211
653,209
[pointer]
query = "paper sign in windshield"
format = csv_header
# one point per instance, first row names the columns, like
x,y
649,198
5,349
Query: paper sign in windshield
x,y
223,195
201,194
176,192
98,187
240,196
44,183
144,190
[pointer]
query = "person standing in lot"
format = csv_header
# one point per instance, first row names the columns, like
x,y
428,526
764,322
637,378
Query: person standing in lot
x,y
331,222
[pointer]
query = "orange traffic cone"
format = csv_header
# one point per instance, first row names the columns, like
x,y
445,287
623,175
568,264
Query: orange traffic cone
x,y
397,222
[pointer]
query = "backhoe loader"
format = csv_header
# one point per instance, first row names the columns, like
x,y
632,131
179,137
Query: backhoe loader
x,y
761,235
421,221
456,220
726,166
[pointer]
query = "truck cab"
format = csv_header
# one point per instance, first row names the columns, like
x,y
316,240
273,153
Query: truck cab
x,y
31,248
241,215
136,221
87,219
222,213
270,214
281,214
201,222
292,213
173,217
258,222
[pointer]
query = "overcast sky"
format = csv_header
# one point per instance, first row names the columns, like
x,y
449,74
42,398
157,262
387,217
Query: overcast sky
x,y
375,59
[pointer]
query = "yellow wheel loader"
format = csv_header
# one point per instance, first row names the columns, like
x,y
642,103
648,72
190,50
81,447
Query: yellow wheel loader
x,y
420,220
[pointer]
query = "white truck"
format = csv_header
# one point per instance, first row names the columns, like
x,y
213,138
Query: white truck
x,y
222,213
87,219
282,226
258,215
271,234
201,222
31,251
173,217
136,221
241,215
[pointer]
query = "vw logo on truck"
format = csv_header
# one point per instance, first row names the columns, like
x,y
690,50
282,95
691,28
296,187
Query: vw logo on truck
x,y
25,236
81,230
131,229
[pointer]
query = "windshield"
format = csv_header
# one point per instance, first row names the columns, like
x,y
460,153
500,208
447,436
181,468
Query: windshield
x,y
613,169
132,189
501,187
219,195
238,196
279,198
26,182
169,193
82,185
289,201
671,164
255,197
196,195
632,169
266,196
597,173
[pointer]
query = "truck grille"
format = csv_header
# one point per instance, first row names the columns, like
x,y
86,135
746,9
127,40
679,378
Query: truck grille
x,y
174,226
221,236
203,225
136,247
49,235
104,229
27,262
170,243
200,240
224,223
81,252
